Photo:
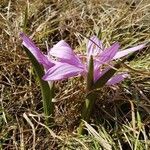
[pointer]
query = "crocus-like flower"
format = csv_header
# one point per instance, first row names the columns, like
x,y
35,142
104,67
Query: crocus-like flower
x,y
41,58
69,64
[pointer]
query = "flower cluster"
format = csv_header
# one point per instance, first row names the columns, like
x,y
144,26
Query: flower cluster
x,y
68,64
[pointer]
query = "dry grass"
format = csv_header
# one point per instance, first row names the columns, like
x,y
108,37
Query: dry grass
x,y
122,112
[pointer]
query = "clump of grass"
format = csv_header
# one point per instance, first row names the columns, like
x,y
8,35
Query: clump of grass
x,y
125,125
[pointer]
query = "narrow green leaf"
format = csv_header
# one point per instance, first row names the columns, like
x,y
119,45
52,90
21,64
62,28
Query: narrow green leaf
x,y
90,101
139,122
46,89
86,112
25,21
90,78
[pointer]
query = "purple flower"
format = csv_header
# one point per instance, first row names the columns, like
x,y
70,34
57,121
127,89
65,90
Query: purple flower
x,y
41,58
69,64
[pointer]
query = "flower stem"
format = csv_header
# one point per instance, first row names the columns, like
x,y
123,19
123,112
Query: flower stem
x,y
47,90
48,105
90,100
87,109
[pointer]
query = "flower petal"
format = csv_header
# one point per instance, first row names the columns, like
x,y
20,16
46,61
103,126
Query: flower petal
x,y
97,74
117,78
127,51
62,71
94,46
105,56
41,58
109,53
65,53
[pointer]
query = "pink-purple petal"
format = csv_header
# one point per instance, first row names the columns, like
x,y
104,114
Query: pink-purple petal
x,y
94,46
117,78
61,43
62,71
128,51
105,57
60,49
62,52
65,54
41,58
109,53
97,74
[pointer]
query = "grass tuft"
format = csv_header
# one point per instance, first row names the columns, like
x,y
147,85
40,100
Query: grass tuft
x,y
121,116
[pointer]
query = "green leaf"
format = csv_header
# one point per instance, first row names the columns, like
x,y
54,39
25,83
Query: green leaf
x,y
90,101
90,78
46,89
25,21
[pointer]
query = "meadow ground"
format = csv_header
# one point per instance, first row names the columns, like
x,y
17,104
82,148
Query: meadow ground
x,y
121,118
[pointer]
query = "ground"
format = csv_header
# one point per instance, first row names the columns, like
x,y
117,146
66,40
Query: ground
x,y
121,116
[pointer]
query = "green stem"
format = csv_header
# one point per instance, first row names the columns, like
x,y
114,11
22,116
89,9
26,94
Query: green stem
x,y
89,102
47,90
87,110
48,106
